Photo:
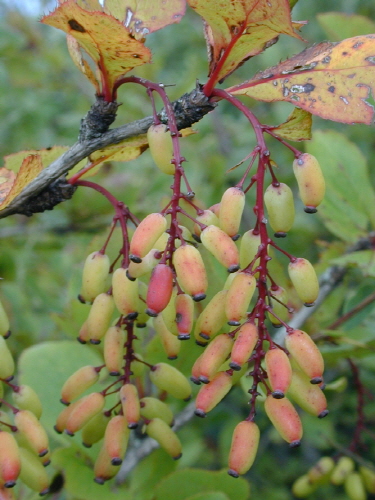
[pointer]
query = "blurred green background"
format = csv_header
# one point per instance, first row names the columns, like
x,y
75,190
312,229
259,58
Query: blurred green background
x,y
43,99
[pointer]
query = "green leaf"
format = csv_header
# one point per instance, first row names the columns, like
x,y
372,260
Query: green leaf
x,y
331,80
148,473
185,483
46,366
209,495
348,206
358,343
72,318
339,25
79,478
363,291
364,259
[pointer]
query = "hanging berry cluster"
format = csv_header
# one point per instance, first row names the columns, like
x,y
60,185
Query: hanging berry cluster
x,y
24,446
157,281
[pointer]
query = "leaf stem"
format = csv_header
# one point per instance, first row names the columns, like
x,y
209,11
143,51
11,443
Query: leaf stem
x,y
214,76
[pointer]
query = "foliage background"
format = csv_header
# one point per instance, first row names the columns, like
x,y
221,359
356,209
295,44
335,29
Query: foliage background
x,y
43,99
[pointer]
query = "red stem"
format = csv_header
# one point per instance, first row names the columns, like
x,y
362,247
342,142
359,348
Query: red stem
x,y
208,87
129,354
295,151
122,213
259,311
173,207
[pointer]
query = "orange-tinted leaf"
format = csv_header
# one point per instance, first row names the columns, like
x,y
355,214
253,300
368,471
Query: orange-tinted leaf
x,y
7,178
236,30
297,127
145,16
30,168
22,167
104,38
331,80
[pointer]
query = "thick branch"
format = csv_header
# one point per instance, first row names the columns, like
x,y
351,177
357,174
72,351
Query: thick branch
x,y
189,109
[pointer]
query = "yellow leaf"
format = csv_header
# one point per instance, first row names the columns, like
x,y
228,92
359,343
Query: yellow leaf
x,y
86,4
48,155
331,80
236,31
23,167
297,127
105,39
30,168
75,52
126,150
145,16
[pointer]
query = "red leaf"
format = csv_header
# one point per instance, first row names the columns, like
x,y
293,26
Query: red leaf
x,y
236,30
331,80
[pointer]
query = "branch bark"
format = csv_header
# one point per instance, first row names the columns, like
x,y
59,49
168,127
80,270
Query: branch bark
x,y
189,109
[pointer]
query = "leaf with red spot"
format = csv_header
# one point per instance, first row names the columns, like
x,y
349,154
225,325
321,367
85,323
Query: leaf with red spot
x,y
331,80
236,31
105,39
145,16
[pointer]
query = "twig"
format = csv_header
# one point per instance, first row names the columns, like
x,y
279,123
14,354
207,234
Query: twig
x,y
327,282
345,451
364,303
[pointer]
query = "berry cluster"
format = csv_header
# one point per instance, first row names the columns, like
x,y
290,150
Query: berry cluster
x,y
24,447
160,275
339,473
